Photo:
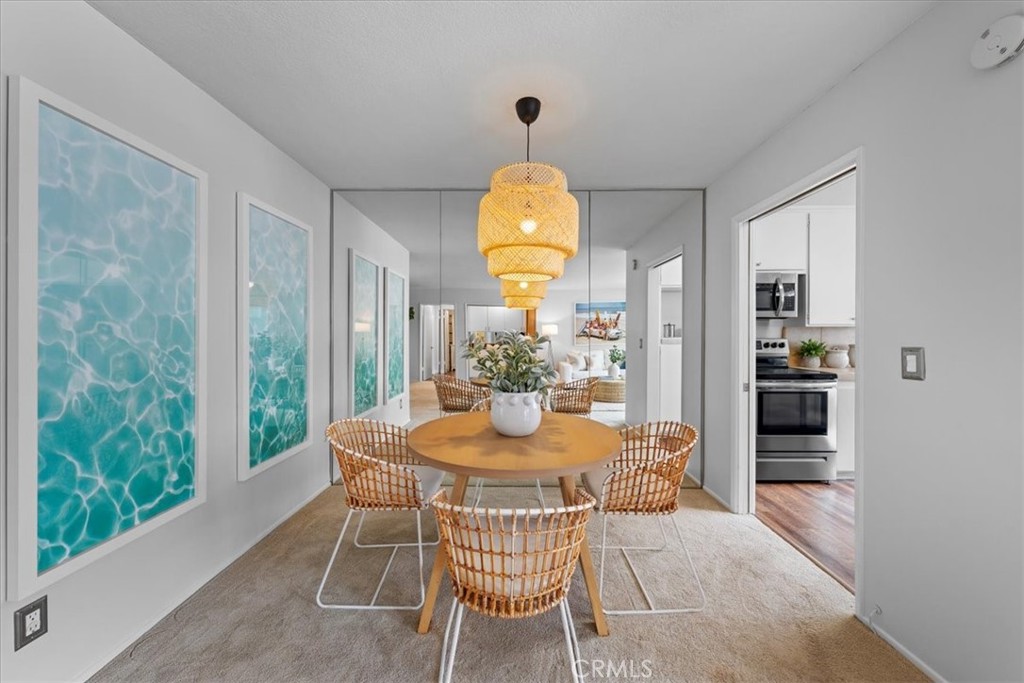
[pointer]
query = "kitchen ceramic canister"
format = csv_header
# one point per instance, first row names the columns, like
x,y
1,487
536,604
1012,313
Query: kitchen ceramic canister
x,y
837,357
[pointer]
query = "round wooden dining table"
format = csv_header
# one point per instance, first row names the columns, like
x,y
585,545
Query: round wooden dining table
x,y
468,446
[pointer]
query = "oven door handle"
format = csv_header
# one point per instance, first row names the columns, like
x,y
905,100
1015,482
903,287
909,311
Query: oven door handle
x,y
797,386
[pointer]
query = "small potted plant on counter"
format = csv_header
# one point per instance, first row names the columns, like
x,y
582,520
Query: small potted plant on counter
x,y
811,353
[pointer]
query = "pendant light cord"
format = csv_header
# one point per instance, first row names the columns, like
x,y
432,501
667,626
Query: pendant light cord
x,y
527,142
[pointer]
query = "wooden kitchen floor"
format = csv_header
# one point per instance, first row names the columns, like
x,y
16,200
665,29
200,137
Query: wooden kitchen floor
x,y
816,519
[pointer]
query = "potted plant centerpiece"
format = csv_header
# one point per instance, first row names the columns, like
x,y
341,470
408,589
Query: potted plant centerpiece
x,y
811,353
517,376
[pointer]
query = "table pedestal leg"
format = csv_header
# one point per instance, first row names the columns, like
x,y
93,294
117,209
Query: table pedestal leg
x,y
437,573
568,485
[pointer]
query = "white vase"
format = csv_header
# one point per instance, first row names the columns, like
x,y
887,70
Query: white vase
x,y
837,358
810,361
853,355
614,371
515,414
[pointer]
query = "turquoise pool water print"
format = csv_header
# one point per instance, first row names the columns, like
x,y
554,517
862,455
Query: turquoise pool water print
x,y
365,324
116,337
396,335
278,343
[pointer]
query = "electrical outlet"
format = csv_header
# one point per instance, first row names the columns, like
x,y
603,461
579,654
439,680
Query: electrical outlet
x,y
30,622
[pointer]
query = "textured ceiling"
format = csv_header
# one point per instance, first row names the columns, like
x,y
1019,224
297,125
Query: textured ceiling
x,y
420,94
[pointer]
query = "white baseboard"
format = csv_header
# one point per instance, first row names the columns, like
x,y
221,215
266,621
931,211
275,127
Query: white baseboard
x,y
717,498
92,669
907,654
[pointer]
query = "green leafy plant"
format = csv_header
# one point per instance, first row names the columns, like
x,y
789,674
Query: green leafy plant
x,y
813,348
616,355
510,363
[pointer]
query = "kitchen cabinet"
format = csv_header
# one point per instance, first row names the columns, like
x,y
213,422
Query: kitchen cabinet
x,y
845,440
490,319
779,241
832,267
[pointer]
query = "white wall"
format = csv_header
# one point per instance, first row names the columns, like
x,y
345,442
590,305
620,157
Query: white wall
x,y
681,230
353,230
72,50
940,460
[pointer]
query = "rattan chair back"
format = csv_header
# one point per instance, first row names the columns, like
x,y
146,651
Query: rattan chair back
x,y
374,438
645,478
576,397
374,484
512,563
456,395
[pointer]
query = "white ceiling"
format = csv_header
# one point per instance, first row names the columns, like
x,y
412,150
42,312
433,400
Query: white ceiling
x,y
433,223
420,94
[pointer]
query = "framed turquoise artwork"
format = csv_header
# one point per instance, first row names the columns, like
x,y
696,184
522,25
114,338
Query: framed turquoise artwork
x,y
107,384
395,331
274,270
364,333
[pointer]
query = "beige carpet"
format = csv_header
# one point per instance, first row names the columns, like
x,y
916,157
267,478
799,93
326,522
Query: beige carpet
x,y
771,614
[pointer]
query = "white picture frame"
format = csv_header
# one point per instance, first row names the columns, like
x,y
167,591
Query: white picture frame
x,y
23,577
244,204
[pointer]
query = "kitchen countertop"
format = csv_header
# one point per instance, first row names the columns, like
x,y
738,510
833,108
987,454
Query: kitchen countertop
x,y
844,374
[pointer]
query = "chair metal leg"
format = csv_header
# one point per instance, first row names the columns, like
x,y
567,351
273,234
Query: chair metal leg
x,y
376,594
540,493
448,656
651,609
479,491
571,643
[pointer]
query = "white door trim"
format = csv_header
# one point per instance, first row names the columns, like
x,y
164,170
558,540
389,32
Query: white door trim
x,y
742,425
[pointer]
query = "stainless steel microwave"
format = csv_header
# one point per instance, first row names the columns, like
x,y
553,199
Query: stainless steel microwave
x,y
776,294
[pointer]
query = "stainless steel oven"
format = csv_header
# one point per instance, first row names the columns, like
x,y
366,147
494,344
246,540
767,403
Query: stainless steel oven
x,y
776,295
796,419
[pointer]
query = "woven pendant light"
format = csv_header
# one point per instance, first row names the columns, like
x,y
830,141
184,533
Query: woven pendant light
x,y
528,223
524,288
525,303
525,295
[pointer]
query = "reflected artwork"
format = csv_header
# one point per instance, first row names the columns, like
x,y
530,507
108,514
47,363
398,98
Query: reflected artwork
x,y
365,334
396,335
600,321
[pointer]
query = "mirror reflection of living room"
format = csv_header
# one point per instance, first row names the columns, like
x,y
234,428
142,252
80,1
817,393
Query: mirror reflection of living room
x,y
606,319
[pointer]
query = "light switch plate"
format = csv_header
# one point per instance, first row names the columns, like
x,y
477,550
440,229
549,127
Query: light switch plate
x,y
912,362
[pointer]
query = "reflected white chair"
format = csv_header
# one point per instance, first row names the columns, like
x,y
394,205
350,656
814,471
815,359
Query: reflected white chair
x,y
510,564
379,474
645,479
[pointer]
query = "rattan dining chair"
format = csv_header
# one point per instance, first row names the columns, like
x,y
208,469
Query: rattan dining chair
x,y
484,406
456,395
644,479
575,398
379,474
510,564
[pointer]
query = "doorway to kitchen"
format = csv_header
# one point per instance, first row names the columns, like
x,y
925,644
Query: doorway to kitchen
x,y
802,289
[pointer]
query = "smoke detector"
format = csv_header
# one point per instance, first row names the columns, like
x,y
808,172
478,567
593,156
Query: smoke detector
x,y
999,43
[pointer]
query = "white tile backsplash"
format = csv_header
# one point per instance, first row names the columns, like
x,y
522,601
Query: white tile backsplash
x,y
830,335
